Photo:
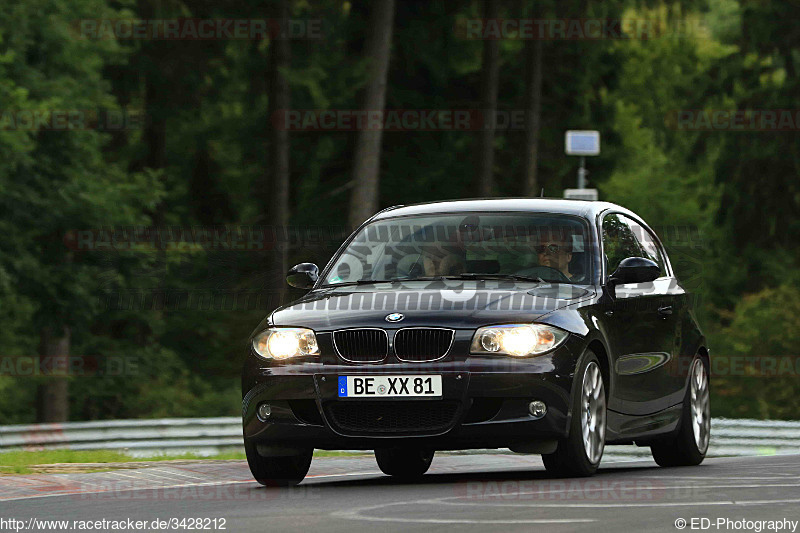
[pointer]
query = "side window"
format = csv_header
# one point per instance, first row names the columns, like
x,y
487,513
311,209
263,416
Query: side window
x,y
624,237
648,244
619,241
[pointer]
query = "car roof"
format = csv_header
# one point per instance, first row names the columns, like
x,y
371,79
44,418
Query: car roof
x,y
583,208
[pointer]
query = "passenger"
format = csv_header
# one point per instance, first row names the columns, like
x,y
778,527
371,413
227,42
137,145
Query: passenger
x,y
443,263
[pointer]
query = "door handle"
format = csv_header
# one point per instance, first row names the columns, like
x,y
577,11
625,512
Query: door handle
x,y
665,311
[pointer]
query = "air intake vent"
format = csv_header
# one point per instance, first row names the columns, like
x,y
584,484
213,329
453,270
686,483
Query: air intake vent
x,y
422,344
361,345
392,417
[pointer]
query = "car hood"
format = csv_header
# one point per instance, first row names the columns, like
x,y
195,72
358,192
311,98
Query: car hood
x,y
453,304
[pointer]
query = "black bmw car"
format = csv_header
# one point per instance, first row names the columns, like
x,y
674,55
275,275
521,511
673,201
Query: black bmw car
x,y
552,327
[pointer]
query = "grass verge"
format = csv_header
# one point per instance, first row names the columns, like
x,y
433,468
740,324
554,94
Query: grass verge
x,y
31,462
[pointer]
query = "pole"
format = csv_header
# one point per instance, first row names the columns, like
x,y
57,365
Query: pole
x,y
582,174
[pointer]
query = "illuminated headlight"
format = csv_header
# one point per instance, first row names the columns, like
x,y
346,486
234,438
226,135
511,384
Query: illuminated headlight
x,y
517,340
285,343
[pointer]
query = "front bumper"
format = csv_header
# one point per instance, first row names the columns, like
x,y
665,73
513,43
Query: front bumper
x,y
484,403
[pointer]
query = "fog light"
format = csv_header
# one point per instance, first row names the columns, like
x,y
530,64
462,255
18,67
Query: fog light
x,y
263,412
537,409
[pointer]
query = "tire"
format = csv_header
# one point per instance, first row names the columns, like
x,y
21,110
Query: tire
x,y
689,445
403,463
278,471
575,457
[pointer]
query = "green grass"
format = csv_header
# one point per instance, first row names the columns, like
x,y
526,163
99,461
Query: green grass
x,y
326,453
21,462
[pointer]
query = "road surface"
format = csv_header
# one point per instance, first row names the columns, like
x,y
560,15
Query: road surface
x,y
491,492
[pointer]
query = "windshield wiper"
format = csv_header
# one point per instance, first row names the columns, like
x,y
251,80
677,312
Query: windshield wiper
x,y
356,282
465,276
370,281
423,278
515,277
479,276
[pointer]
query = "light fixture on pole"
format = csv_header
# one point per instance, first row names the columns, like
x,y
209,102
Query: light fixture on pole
x,y
582,143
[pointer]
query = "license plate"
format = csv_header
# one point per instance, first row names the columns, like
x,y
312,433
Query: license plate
x,y
390,386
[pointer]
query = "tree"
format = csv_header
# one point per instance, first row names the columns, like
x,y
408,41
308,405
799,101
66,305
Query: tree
x,y
367,158
206,156
533,116
490,71
278,165
760,346
758,168
57,180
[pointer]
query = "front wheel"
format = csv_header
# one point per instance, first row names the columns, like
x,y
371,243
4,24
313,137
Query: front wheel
x,y
689,446
278,471
403,463
579,454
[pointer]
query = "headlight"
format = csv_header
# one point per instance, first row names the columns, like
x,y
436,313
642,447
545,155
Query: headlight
x,y
285,343
518,340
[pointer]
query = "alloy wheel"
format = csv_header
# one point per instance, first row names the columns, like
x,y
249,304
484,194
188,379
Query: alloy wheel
x,y
700,408
593,413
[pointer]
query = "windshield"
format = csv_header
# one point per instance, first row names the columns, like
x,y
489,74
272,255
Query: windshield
x,y
526,246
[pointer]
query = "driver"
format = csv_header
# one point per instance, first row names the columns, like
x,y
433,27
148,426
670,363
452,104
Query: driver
x,y
555,253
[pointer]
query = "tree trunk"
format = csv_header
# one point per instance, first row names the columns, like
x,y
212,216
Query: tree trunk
x,y
366,164
490,70
155,138
52,398
533,115
277,194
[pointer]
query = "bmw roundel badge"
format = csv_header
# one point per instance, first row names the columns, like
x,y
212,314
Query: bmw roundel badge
x,y
394,317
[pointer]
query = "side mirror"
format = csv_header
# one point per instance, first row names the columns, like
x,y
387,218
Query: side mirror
x,y
635,270
303,276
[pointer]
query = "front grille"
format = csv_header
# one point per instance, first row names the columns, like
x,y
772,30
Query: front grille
x,y
392,417
422,344
361,345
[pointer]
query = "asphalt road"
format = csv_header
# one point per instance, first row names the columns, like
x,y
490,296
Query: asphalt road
x,y
461,492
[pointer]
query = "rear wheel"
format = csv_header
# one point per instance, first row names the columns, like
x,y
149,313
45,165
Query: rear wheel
x,y
579,454
404,463
689,446
278,471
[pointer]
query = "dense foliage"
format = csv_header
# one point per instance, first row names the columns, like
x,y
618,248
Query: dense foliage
x,y
166,321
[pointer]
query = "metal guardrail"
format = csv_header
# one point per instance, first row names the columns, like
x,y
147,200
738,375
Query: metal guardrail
x,y
209,436
146,437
